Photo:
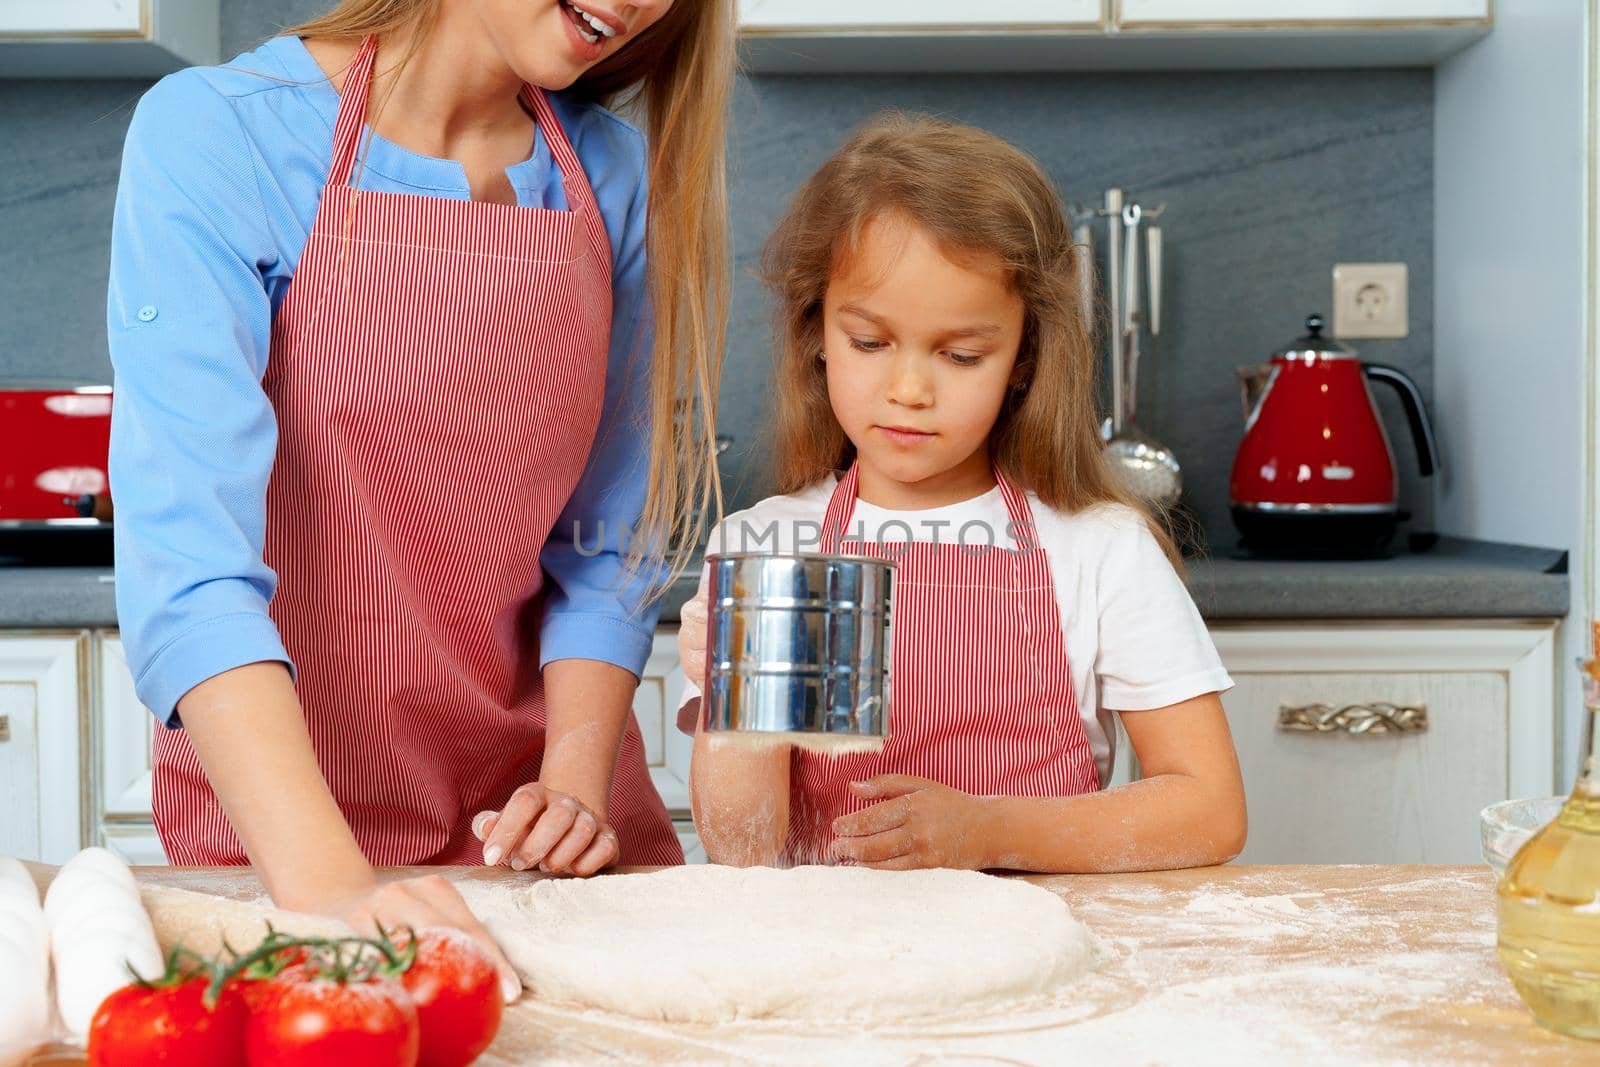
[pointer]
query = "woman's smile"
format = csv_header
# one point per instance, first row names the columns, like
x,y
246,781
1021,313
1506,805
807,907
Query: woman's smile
x,y
589,30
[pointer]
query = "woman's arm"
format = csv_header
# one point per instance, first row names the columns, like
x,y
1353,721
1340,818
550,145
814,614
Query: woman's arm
x,y
1187,811
250,734
739,791
247,727
558,824
597,629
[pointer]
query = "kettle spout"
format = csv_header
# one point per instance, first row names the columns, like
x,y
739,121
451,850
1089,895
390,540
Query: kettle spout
x,y
1252,386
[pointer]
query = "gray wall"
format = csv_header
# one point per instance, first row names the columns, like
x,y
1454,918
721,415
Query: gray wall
x,y
1270,178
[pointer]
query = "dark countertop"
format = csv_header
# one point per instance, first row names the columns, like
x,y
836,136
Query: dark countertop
x,y
57,597
1457,579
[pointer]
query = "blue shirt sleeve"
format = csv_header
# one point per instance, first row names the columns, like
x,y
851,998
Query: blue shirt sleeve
x,y
193,434
590,613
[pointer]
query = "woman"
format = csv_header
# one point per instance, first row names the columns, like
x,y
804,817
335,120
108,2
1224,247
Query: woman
x,y
388,384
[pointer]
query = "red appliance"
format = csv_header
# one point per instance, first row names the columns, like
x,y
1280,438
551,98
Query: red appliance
x,y
55,502
1314,475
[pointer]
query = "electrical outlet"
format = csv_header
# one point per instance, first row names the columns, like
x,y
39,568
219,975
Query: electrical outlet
x,y
1369,300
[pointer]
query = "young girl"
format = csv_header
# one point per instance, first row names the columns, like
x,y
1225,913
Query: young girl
x,y
931,346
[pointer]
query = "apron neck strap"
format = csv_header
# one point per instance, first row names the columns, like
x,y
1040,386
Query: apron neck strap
x,y
352,122
842,506
352,111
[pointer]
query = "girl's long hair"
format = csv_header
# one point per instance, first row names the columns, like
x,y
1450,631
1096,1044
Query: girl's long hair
x,y
677,76
972,192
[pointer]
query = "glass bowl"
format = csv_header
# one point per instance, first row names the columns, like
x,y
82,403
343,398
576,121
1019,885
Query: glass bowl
x,y
1505,827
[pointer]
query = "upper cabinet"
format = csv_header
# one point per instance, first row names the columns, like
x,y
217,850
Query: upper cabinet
x,y
106,38
840,36
760,16
1132,14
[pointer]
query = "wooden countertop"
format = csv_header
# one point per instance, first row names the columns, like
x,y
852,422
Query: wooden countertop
x,y
1229,965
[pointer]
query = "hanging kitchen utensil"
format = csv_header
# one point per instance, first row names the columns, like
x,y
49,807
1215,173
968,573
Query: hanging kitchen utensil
x,y
1083,247
1152,237
1146,466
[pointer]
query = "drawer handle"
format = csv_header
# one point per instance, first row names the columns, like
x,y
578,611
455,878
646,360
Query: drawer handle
x,y
1374,718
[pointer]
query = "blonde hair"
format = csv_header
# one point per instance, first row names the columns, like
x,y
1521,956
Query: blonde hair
x,y
679,74
973,193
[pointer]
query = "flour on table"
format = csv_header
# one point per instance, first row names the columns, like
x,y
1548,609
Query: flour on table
x,y
712,944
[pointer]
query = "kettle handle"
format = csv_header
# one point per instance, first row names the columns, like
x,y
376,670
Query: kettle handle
x,y
1416,414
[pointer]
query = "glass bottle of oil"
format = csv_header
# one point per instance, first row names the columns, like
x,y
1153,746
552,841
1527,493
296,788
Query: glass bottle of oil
x,y
1549,898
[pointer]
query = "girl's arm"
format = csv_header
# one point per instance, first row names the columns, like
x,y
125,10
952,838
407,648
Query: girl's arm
x,y
1187,811
739,792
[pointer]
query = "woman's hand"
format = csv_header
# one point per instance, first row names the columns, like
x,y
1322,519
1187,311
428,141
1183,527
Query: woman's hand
x,y
540,827
692,630
916,823
420,903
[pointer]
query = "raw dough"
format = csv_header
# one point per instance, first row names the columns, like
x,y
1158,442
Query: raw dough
x,y
710,943
204,923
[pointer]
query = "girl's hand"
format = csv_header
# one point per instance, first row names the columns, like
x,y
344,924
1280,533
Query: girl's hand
x,y
692,626
918,823
552,831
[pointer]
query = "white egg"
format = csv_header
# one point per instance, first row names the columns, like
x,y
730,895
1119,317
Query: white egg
x,y
72,899
101,861
12,870
25,1008
24,1024
117,919
28,944
16,884
87,973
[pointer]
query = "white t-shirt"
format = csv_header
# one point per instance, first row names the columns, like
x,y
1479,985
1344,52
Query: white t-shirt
x,y
1134,639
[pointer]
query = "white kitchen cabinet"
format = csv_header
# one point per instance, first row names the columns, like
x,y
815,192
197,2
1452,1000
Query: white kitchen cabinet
x,y
667,750
943,36
106,38
43,777
1131,14
137,845
1470,712
125,732
759,16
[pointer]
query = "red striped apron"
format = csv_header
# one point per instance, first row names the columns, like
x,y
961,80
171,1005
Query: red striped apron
x,y
437,379
983,698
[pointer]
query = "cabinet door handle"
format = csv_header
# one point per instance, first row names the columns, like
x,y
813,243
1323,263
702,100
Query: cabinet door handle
x,y
5,727
1377,717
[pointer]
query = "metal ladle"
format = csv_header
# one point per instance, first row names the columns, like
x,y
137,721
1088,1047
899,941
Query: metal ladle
x,y
1146,466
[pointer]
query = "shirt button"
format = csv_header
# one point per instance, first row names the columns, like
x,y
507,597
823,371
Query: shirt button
x,y
147,313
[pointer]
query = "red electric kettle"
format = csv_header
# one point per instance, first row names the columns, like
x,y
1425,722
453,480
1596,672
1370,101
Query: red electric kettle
x,y
1314,475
